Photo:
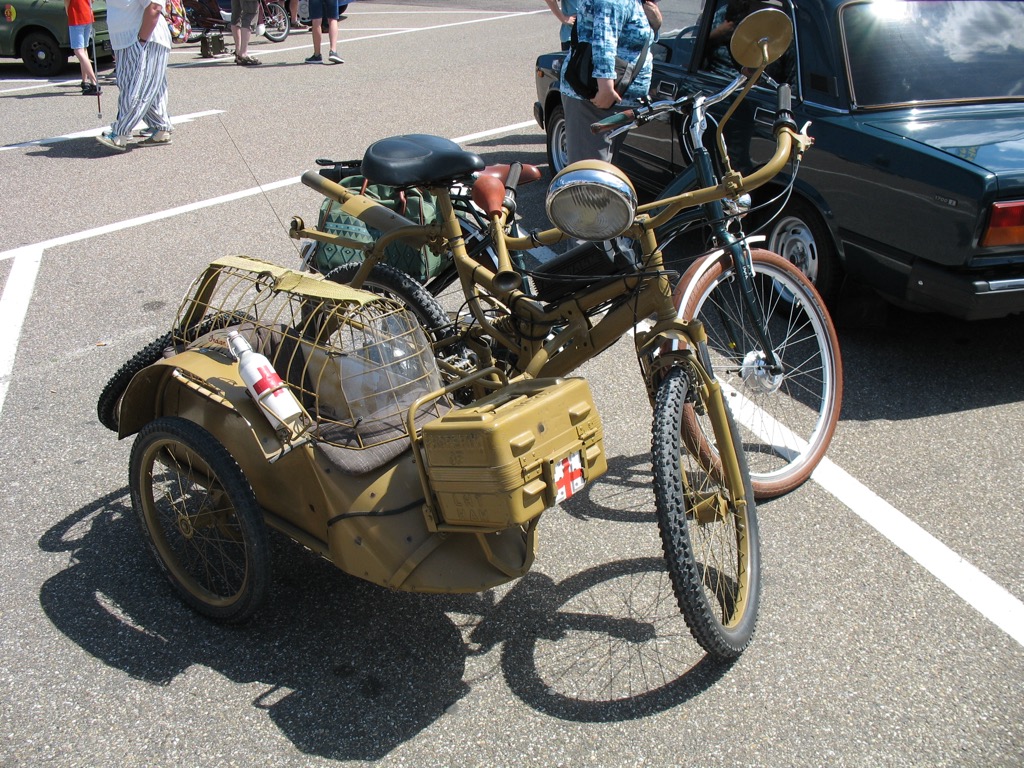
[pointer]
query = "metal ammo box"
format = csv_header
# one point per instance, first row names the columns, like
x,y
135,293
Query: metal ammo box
x,y
510,455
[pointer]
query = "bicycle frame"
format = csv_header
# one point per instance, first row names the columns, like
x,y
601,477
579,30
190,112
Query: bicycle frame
x,y
576,339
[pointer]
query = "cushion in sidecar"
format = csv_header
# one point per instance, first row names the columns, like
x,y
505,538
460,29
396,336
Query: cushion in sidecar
x,y
314,378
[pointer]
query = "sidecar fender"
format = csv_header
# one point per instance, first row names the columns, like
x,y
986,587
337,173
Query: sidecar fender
x,y
203,387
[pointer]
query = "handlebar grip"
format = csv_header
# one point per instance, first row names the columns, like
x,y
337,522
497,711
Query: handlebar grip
x,y
612,122
512,180
784,108
784,98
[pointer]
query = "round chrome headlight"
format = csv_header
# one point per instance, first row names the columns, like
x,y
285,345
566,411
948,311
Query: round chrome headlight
x,y
591,200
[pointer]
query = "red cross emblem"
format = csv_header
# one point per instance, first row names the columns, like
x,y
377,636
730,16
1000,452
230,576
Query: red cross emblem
x,y
568,477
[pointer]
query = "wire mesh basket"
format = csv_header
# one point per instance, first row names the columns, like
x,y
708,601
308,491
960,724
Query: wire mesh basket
x,y
355,360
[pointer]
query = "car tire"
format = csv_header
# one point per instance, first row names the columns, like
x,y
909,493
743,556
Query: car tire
x,y
800,236
557,155
42,55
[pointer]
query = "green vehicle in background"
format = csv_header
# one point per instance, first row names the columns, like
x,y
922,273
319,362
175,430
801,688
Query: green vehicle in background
x,y
36,31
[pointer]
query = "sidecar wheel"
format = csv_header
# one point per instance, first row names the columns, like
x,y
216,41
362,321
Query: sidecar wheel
x,y
200,518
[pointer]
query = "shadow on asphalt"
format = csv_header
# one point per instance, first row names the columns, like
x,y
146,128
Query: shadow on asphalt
x,y
353,670
917,365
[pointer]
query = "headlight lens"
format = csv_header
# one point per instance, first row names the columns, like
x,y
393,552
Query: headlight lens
x,y
591,200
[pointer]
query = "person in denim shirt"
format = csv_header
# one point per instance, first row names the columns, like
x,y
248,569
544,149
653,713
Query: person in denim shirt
x,y
565,12
615,29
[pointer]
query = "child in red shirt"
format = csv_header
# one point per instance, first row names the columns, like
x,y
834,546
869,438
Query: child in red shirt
x,y
80,21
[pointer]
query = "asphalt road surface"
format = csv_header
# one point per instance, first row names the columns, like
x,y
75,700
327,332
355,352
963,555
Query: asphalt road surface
x,y
891,626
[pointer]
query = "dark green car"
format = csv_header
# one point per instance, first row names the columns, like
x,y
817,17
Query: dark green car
x,y
36,31
915,184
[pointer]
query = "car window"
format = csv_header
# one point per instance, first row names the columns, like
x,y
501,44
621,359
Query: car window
x,y
726,15
820,82
678,34
933,51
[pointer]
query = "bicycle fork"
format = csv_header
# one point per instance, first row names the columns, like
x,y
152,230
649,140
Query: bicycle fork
x,y
715,214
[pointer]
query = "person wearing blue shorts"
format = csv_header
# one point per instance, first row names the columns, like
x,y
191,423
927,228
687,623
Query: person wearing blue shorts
x,y
318,11
80,21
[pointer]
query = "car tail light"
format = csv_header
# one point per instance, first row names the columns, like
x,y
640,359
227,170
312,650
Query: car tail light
x,y
1005,224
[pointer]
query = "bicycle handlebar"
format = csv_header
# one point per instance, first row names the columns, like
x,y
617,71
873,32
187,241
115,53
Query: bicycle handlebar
x,y
370,211
632,118
787,141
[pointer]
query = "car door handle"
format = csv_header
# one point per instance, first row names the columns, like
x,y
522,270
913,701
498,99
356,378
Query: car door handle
x,y
764,116
666,88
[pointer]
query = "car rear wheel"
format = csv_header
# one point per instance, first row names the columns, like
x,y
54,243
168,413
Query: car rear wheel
x,y
801,238
557,155
42,55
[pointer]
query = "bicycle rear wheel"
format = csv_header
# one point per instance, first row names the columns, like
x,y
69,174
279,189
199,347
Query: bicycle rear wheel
x,y
711,541
786,419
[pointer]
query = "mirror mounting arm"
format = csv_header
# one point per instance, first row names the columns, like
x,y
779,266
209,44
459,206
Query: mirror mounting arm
x,y
751,79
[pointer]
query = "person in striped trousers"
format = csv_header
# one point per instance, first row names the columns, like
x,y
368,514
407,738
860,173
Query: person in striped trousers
x,y
142,43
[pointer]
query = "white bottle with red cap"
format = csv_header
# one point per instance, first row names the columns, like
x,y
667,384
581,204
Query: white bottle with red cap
x,y
275,399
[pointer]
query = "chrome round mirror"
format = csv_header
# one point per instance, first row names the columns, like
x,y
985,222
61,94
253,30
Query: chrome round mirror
x,y
591,200
769,26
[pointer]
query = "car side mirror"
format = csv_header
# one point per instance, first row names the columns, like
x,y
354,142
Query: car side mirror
x,y
764,33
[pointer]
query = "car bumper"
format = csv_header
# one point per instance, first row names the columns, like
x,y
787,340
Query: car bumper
x,y
965,296
538,113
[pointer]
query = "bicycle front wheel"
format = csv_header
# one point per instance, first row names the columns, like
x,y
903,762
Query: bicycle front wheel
x,y
277,23
710,539
786,417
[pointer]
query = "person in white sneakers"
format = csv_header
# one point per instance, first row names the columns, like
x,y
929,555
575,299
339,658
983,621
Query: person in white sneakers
x,y
141,42
318,11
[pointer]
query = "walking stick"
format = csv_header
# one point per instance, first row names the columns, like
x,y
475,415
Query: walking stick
x,y
95,71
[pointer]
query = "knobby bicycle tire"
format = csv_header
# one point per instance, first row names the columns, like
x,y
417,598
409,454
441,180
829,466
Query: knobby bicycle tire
x,y
786,420
110,397
711,542
396,284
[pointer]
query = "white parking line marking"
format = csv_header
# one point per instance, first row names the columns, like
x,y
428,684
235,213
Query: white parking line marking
x,y
148,218
36,84
176,120
976,589
14,303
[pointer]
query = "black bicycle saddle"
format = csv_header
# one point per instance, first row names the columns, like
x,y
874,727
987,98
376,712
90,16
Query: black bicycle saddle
x,y
418,160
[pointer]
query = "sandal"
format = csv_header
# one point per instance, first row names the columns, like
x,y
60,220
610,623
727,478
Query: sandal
x,y
247,61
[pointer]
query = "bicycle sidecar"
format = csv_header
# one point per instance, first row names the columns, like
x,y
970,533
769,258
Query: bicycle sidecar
x,y
379,474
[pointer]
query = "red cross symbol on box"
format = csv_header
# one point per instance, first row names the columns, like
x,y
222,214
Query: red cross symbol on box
x,y
568,477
